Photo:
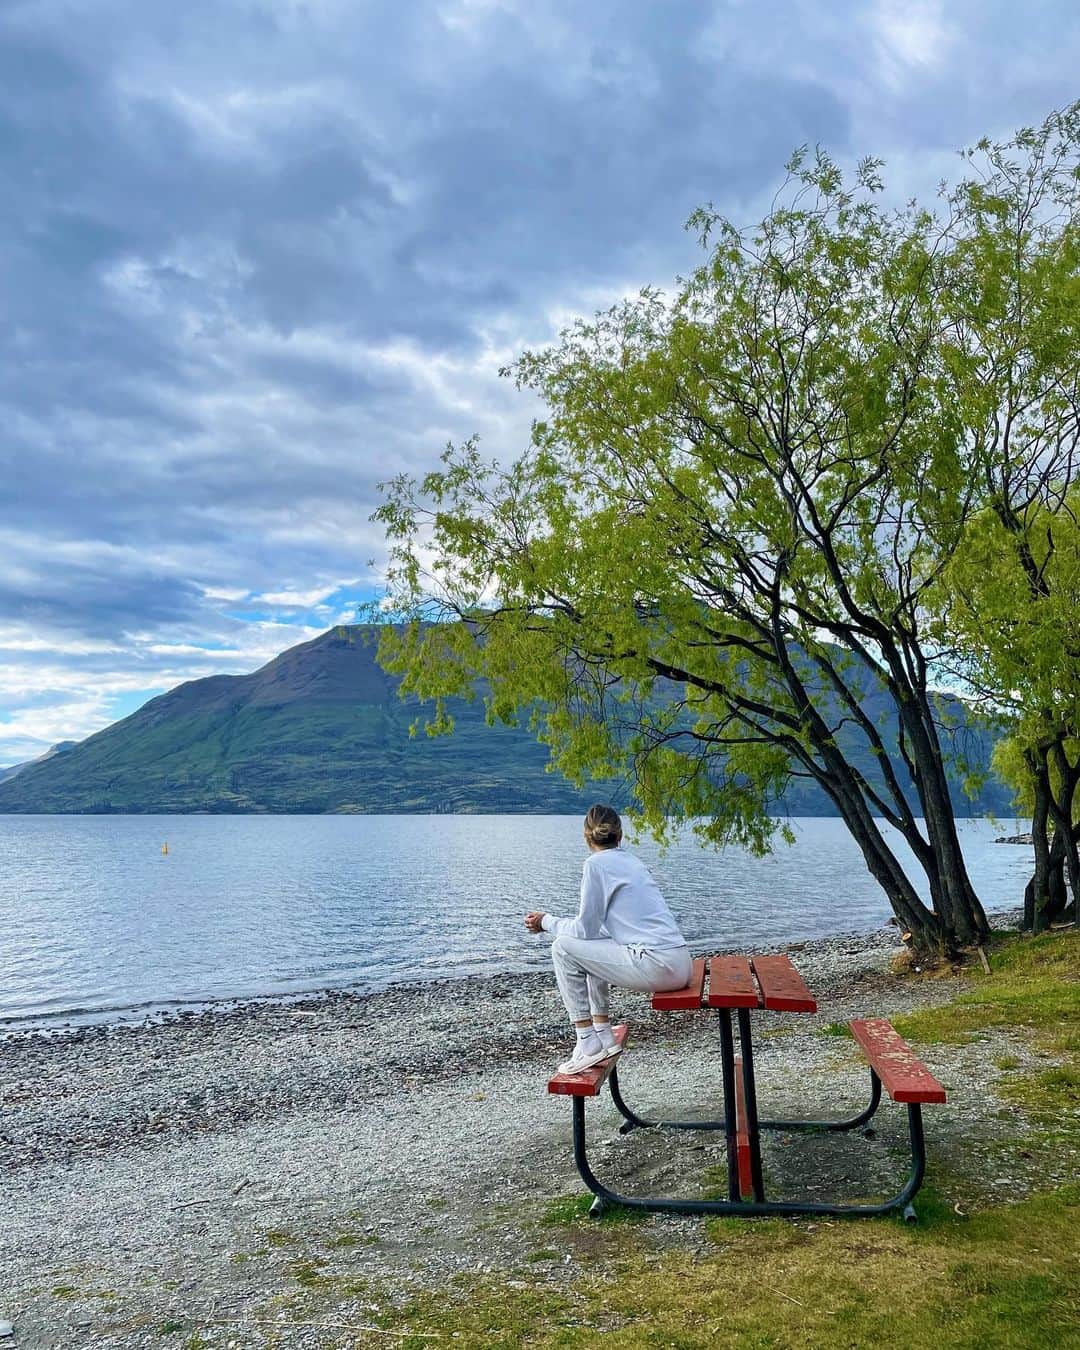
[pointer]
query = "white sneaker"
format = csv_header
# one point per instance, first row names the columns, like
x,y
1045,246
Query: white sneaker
x,y
613,1049
582,1059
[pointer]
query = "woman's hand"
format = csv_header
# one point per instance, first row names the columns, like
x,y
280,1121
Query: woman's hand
x,y
534,921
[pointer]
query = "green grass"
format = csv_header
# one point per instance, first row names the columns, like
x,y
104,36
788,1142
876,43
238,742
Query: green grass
x,y
352,1240
1006,1277
574,1209
1034,985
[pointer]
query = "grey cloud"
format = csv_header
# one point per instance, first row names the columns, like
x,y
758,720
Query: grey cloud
x,y
219,222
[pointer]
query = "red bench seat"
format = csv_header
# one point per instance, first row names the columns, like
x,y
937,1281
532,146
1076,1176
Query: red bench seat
x,y
589,1082
903,1075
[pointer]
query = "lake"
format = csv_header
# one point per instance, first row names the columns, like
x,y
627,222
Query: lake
x,y
97,922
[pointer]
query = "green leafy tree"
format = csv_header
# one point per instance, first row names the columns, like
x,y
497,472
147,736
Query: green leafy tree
x,y
723,538
1012,360
1017,647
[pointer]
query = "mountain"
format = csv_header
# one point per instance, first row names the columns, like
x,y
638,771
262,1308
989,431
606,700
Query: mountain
x,y
58,749
321,728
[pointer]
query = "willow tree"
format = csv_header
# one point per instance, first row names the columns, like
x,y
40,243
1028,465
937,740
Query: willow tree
x,y
1011,355
715,555
1016,645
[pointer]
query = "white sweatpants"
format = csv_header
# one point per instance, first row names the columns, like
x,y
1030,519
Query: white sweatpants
x,y
586,968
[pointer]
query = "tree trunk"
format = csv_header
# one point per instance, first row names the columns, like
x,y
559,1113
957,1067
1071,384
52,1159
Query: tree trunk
x,y
928,935
1037,894
955,901
1058,899
1061,809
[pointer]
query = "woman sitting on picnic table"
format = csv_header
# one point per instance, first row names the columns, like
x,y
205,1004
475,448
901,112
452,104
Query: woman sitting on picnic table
x,y
623,934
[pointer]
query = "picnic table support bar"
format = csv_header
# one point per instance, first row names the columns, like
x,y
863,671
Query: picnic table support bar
x,y
632,1121
750,1092
750,1209
824,1126
727,1068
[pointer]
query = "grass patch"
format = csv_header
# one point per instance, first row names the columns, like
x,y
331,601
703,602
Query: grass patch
x,y
1007,1062
1034,983
352,1240
279,1237
840,1030
571,1209
309,1273
1008,1276
543,1254
1051,1098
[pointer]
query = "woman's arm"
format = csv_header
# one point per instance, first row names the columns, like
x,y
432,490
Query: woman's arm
x,y
590,915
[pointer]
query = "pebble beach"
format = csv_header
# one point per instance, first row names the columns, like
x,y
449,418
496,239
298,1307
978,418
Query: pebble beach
x,y
170,1170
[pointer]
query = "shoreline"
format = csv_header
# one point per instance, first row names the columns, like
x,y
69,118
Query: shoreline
x,y
204,1058
73,1022
70,1022
99,1088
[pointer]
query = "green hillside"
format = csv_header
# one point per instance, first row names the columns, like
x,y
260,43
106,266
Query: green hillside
x,y
320,728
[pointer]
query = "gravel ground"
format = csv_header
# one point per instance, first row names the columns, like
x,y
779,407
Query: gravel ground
x,y
181,1174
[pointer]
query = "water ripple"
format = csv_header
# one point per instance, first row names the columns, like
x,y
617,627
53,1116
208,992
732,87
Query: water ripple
x,y
95,920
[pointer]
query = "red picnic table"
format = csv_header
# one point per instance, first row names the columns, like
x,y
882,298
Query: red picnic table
x,y
745,985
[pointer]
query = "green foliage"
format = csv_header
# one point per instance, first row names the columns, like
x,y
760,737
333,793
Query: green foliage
x,y
632,572
734,521
1007,611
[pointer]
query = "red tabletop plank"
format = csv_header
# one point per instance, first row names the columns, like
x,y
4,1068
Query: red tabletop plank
x,y
731,983
903,1075
589,1082
781,985
690,997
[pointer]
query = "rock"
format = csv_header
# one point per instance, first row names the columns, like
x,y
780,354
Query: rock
x,y
1014,839
6,1329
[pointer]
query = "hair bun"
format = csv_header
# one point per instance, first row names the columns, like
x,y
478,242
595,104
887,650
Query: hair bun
x,y
603,826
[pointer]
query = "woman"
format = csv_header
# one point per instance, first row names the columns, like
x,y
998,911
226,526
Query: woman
x,y
624,934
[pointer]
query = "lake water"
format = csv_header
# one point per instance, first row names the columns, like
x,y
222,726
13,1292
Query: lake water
x,y
95,921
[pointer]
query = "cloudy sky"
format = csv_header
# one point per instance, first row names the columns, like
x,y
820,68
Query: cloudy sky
x,y
257,255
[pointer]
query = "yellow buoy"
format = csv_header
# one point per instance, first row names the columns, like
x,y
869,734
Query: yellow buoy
x,y
164,848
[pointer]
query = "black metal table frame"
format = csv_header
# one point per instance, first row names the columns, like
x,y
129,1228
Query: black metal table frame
x,y
735,1205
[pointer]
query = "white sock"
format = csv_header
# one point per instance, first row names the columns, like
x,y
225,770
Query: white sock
x,y
604,1031
586,1038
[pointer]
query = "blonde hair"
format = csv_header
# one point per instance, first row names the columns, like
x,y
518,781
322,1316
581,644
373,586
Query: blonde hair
x,y
603,826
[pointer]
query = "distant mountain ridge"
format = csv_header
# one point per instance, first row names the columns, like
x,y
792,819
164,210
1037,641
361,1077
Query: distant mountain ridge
x,y
60,748
321,728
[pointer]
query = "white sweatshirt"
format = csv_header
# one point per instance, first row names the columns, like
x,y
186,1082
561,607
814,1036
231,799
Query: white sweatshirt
x,y
619,900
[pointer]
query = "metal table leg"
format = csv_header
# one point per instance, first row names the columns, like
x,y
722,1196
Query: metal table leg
x,y
750,1209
